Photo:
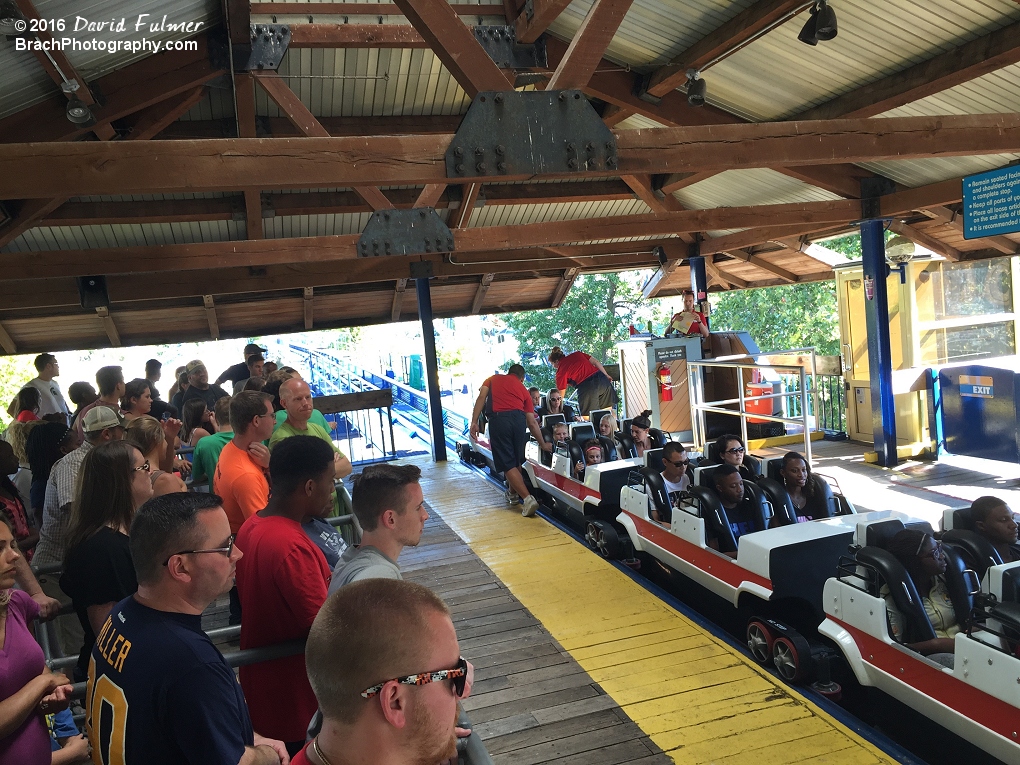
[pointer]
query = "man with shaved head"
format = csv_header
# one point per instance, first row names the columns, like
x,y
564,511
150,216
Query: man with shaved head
x,y
296,398
384,663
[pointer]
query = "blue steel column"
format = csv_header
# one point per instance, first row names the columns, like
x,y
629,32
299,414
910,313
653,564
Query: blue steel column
x,y
431,370
876,311
699,278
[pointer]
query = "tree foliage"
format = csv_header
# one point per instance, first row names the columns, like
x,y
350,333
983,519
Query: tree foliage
x,y
593,317
15,371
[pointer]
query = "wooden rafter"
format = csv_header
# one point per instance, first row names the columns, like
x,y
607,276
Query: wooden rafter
x,y
954,220
530,26
745,26
227,164
721,273
756,259
150,122
986,54
676,181
589,43
109,325
302,118
641,185
31,212
244,99
281,127
61,67
454,45
7,342
398,299
483,287
308,306
210,316
430,195
569,277
469,198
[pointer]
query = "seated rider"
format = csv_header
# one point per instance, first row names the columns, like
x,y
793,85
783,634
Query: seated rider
x,y
994,521
607,426
639,428
536,397
688,321
560,432
674,473
925,562
729,486
554,404
592,456
800,485
731,451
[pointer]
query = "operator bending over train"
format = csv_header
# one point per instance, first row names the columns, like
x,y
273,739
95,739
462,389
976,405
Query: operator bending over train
x,y
587,375
729,486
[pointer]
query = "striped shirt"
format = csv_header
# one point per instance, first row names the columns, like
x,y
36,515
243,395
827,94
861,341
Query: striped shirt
x,y
56,524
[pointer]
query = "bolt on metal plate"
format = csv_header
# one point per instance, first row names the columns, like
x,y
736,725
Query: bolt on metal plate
x,y
405,232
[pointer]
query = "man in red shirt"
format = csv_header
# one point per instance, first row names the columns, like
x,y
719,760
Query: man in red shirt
x,y
689,321
587,375
511,414
282,581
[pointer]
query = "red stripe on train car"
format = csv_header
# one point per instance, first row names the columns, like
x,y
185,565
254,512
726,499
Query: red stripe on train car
x,y
575,489
723,569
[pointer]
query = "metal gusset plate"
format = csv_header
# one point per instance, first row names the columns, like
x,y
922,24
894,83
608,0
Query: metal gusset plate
x,y
405,232
267,44
500,42
512,133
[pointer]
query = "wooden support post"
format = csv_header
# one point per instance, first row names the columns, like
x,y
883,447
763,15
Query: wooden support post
x,y
210,316
253,214
108,324
309,306
483,287
398,299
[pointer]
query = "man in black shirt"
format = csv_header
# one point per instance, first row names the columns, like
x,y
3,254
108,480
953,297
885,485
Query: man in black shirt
x,y
994,521
159,691
240,371
730,488
199,387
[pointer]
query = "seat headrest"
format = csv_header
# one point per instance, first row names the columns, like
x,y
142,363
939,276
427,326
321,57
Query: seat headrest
x,y
712,452
609,452
552,419
582,431
772,468
918,627
881,533
625,427
541,401
653,459
596,415
656,437
976,550
963,519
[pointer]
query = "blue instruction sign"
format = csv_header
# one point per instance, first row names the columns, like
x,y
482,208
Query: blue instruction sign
x,y
991,203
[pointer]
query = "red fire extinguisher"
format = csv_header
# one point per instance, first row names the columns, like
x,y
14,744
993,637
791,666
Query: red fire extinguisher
x,y
665,383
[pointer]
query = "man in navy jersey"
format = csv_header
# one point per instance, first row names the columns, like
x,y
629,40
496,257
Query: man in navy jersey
x,y
159,691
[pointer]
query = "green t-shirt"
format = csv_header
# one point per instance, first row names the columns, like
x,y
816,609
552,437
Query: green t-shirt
x,y
207,454
317,417
286,431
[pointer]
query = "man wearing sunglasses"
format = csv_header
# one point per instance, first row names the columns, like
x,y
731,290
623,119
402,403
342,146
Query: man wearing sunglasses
x,y
674,472
159,691
385,665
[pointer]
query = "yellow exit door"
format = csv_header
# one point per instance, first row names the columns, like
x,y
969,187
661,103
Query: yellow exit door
x,y
854,354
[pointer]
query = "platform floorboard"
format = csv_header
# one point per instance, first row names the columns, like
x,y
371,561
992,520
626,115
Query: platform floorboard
x,y
577,663
531,702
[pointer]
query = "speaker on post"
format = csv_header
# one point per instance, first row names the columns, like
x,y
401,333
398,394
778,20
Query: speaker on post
x,y
92,292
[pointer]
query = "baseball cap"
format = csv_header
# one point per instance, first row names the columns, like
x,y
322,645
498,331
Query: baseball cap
x,y
253,348
193,365
100,418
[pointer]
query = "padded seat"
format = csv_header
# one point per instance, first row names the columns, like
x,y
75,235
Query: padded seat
x,y
917,626
548,420
717,520
657,494
821,505
962,519
582,431
609,452
975,549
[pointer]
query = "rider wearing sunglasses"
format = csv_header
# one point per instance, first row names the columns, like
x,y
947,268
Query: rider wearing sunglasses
x,y
385,665
674,471
731,451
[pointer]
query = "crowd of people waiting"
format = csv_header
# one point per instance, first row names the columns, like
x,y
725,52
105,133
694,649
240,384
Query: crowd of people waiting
x,y
138,555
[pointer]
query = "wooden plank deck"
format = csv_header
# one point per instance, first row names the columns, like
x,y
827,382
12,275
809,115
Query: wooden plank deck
x,y
570,651
532,702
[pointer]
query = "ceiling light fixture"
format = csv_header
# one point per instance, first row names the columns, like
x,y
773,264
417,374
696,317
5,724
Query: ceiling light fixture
x,y
821,25
696,88
78,112
10,15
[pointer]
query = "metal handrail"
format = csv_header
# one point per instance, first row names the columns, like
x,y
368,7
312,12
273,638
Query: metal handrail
x,y
699,407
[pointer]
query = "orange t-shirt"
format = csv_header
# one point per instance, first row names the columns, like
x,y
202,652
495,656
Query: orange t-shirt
x,y
241,484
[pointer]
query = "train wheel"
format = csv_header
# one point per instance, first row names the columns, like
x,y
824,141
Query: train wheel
x,y
759,641
788,661
609,542
592,533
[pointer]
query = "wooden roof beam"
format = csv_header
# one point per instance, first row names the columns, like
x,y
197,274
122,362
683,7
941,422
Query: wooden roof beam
x,y
103,130
308,306
302,118
150,122
731,280
210,316
280,127
966,62
483,287
93,168
589,43
430,195
398,299
469,198
954,220
569,277
641,185
530,26
751,23
454,45
757,261
7,342
109,325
